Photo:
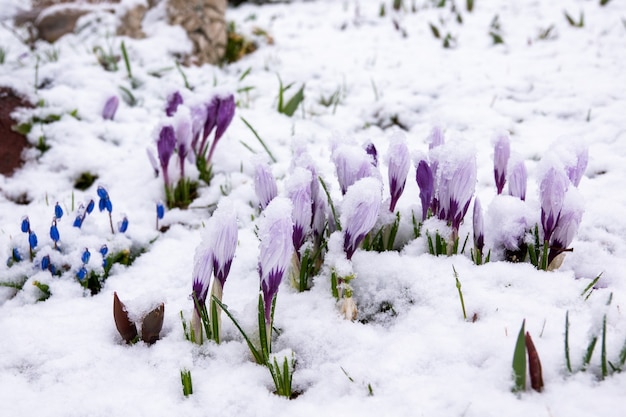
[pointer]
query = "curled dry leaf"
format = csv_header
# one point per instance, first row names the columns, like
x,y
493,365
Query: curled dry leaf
x,y
152,325
125,327
534,365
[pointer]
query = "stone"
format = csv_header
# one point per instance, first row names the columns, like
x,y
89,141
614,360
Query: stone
x,y
11,143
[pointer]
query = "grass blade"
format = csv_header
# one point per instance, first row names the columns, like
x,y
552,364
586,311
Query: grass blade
x,y
519,361
257,356
568,363
458,287
259,139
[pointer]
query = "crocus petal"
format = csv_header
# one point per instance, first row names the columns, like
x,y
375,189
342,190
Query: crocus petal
x,y
436,138
502,151
398,168
359,212
370,149
425,182
173,101
351,163
202,270
517,180
479,235
110,107
225,114
264,184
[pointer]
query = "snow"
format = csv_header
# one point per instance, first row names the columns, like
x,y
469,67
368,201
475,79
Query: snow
x,y
410,351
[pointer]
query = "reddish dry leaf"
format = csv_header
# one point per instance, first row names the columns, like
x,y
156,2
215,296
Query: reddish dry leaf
x,y
125,327
534,365
152,325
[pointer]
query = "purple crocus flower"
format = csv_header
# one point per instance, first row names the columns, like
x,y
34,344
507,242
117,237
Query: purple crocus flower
x,y
351,163
456,188
166,144
576,170
565,231
479,232
183,133
299,192
425,182
153,162
517,180
173,101
359,212
398,168
110,107
370,149
552,194
264,184
276,249
222,233
202,270
220,113
502,151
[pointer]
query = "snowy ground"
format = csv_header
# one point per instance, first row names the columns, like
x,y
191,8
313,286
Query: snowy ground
x,y
64,357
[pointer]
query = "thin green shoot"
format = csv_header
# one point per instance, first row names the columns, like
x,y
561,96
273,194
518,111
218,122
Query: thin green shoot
x,y
458,287
185,379
258,357
182,74
568,362
259,139
603,360
519,361
126,60
589,288
245,74
330,203
589,352
248,147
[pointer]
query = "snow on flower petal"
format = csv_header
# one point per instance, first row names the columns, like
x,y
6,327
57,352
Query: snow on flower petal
x,y
221,232
552,194
501,154
298,189
398,162
359,212
264,183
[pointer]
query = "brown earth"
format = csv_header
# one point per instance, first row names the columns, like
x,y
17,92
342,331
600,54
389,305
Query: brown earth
x,y
11,143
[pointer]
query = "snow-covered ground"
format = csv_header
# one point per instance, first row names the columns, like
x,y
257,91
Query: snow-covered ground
x,y
410,351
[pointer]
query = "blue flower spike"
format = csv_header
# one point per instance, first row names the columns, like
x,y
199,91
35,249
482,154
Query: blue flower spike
x,y
58,211
105,201
103,251
54,233
32,240
81,274
160,212
25,224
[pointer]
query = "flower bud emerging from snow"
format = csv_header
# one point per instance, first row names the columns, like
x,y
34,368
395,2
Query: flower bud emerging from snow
x,y
359,212
122,226
32,240
25,226
298,189
160,210
166,144
436,138
84,258
398,168
54,232
276,249
552,194
576,170
425,182
202,270
45,262
264,184
105,201
58,211
479,229
222,235
517,180
502,151
351,163
183,133
220,112
173,101
110,107
457,182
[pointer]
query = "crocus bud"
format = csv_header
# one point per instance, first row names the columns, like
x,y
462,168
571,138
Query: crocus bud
x,y
457,185
202,270
398,168
479,234
224,114
351,163
359,212
222,234
264,184
173,101
551,194
276,249
166,144
502,151
576,169
517,180
110,107
425,182
299,191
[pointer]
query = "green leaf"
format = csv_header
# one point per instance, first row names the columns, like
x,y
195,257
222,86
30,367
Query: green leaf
x,y
603,361
258,357
519,361
259,139
293,103
568,362
434,31
589,352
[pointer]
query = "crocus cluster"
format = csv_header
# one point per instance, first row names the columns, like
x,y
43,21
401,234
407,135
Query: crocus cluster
x,y
186,132
447,182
